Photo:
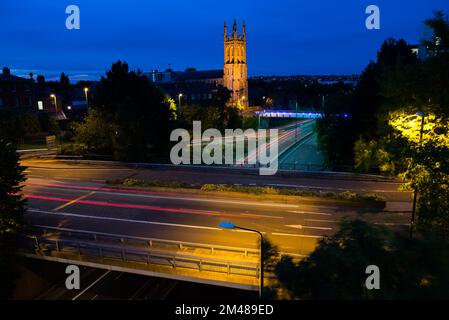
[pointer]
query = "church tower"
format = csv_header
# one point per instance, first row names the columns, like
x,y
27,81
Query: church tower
x,y
235,67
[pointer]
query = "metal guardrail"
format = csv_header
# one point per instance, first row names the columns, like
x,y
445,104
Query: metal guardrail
x,y
83,250
150,242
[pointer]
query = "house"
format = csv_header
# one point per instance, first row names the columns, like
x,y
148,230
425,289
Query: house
x,y
16,92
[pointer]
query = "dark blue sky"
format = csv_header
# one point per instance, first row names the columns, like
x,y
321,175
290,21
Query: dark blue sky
x,y
284,36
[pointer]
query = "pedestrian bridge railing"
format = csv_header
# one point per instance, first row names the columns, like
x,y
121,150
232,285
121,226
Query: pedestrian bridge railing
x,y
127,254
148,242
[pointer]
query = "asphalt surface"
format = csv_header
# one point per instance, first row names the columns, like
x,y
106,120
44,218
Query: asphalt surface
x,y
97,284
76,196
69,171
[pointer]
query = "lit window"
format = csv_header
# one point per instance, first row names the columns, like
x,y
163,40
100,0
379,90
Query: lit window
x,y
40,105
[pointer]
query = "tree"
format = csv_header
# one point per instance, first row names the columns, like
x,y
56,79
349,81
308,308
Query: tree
x,y
409,269
95,133
18,123
139,113
438,45
64,82
406,90
217,113
338,133
11,211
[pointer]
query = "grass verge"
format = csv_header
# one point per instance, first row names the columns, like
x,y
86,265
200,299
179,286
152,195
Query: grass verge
x,y
366,199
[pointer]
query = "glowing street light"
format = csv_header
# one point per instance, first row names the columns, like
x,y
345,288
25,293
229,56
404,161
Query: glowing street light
x,y
179,100
86,90
230,225
55,101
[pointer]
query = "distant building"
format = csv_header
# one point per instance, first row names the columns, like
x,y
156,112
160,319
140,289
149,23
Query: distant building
x,y
16,92
196,86
235,66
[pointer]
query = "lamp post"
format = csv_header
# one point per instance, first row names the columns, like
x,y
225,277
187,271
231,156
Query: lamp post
x,y
415,192
55,101
296,120
86,90
230,225
179,101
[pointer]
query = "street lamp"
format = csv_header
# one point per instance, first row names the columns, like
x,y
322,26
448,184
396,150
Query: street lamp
x,y
230,225
179,100
415,193
86,90
55,101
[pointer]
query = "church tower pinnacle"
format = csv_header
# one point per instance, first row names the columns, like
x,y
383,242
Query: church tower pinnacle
x,y
235,66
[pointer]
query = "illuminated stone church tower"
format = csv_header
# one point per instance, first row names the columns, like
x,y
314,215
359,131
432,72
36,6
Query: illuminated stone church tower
x,y
235,68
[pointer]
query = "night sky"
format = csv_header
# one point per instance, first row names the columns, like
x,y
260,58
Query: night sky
x,y
284,36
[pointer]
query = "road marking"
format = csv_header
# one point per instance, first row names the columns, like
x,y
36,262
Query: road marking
x,y
296,235
246,231
316,228
310,212
73,168
324,221
331,188
91,285
122,220
294,148
102,190
393,224
64,178
143,207
141,289
73,201
298,226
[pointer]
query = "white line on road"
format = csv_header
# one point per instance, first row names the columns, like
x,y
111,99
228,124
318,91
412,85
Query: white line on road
x,y
310,212
324,221
329,188
72,168
316,228
298,226
246,231
91,285
252,203
296,235
121,220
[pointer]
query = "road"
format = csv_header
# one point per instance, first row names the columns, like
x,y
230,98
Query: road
x,y
99,284
70,171
305,155
288,136
75,196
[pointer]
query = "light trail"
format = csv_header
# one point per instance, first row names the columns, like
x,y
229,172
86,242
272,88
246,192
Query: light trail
x,y
143,207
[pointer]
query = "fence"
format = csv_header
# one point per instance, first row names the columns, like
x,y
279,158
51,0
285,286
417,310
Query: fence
x,y
150,242
107,253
